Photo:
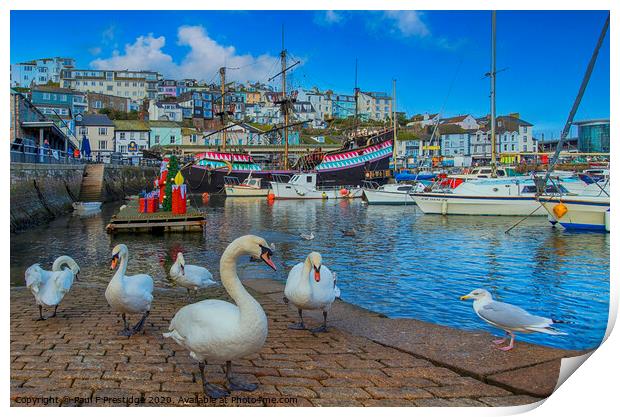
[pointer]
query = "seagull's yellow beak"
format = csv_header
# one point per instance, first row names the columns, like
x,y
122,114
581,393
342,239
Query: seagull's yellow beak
x,y
465,297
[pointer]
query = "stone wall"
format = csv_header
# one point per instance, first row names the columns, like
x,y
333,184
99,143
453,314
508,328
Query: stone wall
x,y
41,192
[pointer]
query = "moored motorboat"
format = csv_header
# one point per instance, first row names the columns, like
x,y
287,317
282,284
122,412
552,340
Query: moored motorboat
x,y
251,187
582,212
513,196
393,194
304,186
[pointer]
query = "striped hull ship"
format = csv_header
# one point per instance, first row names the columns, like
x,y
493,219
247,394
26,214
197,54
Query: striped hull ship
x,y
341,167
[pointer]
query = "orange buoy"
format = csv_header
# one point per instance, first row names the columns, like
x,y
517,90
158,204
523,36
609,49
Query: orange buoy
x,y
344,191
205,197
560,210
271,196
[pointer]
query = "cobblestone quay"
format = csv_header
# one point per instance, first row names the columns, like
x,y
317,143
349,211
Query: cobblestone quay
x,y
78,359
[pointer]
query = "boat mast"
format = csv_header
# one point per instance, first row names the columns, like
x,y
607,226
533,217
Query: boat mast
x,y
492,76
285,102
394,122
222,107
356,92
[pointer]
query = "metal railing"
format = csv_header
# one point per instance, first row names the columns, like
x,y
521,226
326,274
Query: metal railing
x,y
41,155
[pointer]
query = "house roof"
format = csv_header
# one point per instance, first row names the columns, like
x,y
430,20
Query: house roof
x,y
420,117
94,120
163,123
186,131
445,129
52,89
131,125
455,119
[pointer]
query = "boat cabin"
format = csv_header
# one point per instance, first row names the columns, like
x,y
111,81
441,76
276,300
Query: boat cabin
x,y
307,180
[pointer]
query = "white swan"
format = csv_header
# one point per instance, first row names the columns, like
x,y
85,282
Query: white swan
x,y
307,236
311,286
50,287
129,294
192,277
215,330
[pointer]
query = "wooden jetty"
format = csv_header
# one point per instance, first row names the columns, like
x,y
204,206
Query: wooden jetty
x,y
129,219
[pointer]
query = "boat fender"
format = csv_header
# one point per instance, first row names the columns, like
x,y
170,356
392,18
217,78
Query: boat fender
x,y
324,195
444,207
560,210
301,193
344,192
607,220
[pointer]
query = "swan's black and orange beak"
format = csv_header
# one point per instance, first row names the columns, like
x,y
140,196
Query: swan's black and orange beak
x,y
317,273
265,255
114,262
183,269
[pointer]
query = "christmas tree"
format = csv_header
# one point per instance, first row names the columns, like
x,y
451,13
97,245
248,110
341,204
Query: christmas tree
x,y
173,169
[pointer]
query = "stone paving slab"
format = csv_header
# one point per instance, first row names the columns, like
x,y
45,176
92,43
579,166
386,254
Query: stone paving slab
x,y
466,352
77,359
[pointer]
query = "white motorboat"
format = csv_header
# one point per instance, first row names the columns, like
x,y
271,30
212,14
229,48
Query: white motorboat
x,y
87,208
303,186
512,196
578,212
396,194
250,187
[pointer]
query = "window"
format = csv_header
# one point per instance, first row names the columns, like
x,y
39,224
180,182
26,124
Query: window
x,y
131,135
109,88
121,135
308,178
46,96
83,130
103,144
156,138
524,139
103,131
172,140
123,148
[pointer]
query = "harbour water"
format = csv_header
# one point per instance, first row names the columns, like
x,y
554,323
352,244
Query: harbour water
x,y
401,262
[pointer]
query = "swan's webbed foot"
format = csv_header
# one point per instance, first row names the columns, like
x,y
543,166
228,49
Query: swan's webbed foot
x,y
210,390
285,299
297,326
235,384
321,329
140,325
126,332
213,391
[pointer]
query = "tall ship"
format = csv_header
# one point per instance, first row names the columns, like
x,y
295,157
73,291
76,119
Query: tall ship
x,y
364,154
350,165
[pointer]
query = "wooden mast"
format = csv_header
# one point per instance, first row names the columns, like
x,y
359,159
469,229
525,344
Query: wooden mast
x,y
284,102
492,76
223,107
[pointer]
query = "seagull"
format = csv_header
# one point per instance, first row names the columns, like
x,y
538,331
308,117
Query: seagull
x,y
509,318
307,236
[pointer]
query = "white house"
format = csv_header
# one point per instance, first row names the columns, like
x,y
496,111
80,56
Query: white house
x,y
167,111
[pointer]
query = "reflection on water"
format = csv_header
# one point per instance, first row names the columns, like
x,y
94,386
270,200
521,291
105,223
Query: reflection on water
x,y
401,263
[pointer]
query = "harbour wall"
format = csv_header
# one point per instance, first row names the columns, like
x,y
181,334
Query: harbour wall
x,y
42,192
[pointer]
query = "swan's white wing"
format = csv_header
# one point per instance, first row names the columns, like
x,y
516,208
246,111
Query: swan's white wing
x,y
34,278
138,290
63,280
294,276
509,316
199,275
205,323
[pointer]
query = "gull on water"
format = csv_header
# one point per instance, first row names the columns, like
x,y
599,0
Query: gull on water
x,y
508,317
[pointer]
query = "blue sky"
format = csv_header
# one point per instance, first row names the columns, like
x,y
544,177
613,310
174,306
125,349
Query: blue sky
x,y
545,53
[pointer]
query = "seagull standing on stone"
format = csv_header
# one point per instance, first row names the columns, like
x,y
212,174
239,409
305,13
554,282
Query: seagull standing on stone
x,y
508,317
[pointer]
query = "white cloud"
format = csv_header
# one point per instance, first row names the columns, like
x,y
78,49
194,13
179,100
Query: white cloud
x,y
328,17
203,60
408,22
95,50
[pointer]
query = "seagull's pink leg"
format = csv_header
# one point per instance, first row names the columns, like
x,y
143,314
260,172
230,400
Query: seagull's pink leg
x,y
500,341
511,345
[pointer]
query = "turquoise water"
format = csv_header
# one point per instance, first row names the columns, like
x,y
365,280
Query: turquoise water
x,y
401,262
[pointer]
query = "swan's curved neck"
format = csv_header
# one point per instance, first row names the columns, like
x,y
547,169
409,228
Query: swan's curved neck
x,y
230,280
305,276
122,268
